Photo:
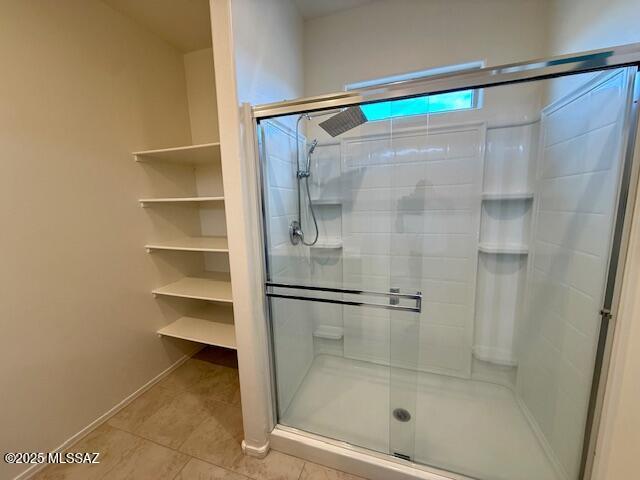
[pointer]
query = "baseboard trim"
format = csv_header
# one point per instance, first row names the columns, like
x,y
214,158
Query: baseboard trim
x,y
32,470
258,452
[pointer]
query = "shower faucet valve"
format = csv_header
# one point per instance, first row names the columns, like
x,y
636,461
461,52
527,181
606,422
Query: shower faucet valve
x,y
295,233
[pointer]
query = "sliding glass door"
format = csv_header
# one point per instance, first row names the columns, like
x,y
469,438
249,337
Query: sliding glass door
x,y
436,270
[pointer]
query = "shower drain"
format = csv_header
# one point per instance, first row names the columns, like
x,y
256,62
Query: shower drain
x,y
402,415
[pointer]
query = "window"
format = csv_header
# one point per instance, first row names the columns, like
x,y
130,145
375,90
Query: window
x,y
439,103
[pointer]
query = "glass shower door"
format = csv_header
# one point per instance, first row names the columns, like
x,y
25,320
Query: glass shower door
x,y
338,341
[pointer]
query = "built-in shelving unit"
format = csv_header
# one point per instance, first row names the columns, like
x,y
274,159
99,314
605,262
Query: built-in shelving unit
x,y
209,286
192,244
190,155
506,209
200,229
145,201
507,249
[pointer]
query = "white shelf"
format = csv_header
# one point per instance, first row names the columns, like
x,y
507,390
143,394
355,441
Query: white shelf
x,y
330,202
493,355
506,249
328,244
210,286
192,244
205,153
211,327
144,201
507,196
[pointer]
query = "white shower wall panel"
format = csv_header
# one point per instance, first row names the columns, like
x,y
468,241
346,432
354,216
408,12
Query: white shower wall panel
x,y
576,192
411,221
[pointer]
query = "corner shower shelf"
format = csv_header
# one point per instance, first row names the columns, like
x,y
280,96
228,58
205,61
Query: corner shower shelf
x,y
507,249
507,196
209,286
192,244
330,202
205,153
213,327
328,244
329,332
145,201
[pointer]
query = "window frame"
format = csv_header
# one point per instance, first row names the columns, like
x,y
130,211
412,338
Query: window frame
x,y
476,100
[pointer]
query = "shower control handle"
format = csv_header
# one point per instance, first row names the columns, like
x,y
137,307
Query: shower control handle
x,y
296,234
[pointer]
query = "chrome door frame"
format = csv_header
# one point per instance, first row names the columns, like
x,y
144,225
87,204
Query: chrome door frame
x,y
540,69
521,72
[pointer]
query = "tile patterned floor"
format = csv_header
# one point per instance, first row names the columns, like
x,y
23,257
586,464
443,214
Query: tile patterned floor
x,y
187,427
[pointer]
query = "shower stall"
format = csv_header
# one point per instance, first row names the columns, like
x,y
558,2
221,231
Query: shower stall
x,y
440,284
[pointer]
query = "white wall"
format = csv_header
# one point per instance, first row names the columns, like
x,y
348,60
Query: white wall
x,y
201,92
578,25
82,88
268,39
390,37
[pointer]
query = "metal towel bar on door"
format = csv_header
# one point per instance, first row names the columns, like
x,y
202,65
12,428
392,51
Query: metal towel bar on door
x,y
392,295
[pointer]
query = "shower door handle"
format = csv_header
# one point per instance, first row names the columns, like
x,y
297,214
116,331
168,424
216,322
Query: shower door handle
x,y
393,296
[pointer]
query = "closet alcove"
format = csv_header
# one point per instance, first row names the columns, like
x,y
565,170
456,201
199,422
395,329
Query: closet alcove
x,y
182,193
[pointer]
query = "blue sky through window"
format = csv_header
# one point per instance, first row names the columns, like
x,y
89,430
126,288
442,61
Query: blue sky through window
x,y
443,102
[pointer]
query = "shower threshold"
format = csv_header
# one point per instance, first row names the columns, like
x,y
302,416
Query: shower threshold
x,y
470,427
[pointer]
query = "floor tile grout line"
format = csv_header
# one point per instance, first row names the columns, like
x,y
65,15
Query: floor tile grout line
x,y
150,440
190,456
182,468
304,464
177,449
223,467
208,462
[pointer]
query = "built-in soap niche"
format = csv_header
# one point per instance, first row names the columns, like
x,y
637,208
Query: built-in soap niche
x,y
510,159
506,223
328,339
329,220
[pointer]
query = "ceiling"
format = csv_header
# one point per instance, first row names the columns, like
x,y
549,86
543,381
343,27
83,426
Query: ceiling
x,y
320,8
185,24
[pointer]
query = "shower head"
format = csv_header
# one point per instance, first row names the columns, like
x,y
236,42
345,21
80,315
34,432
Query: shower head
x,y
313,146
344,121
